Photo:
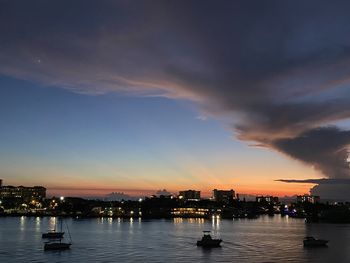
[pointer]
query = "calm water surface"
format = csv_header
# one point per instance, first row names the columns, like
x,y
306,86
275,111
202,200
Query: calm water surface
x,y
267,239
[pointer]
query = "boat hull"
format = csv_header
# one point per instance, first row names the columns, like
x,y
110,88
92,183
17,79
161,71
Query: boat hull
x,y
57,246
53,235
211,243
315,243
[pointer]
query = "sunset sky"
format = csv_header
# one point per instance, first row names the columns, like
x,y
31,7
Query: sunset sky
x,y
60,139
136,96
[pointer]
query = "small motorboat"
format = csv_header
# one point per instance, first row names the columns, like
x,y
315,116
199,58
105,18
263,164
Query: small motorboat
x,y
207,241
313,242
56,245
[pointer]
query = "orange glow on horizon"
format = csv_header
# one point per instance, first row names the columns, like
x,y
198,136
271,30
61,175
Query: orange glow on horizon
x,y
139,180
284,189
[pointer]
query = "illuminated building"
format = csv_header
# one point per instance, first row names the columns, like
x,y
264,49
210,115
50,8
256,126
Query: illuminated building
x,y
267,199
22,192
224,196
308,199
191,195
190,212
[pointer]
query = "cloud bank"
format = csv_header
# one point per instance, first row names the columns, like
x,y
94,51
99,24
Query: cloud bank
x,y
324,148
277,71
328,189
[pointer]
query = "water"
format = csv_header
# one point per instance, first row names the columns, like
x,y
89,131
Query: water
x,y
267,239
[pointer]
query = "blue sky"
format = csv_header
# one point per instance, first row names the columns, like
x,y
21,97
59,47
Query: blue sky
x,y
56,137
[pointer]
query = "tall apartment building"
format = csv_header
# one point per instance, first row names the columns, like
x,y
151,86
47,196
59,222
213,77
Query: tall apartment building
x,y
224,196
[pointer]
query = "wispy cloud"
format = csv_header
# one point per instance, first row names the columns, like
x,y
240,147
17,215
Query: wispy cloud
x,y
201,117
317,181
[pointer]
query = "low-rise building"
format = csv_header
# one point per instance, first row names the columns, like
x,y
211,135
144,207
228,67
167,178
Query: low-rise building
x,y
191,195
268,199
308,199
190,212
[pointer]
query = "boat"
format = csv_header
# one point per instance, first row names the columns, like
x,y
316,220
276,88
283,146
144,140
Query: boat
x,y
57,245
208,241
53,233
313,242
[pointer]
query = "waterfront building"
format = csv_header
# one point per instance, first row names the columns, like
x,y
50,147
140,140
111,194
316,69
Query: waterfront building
x,y
313,199
267,199
21,192
224,196
190,195
190,212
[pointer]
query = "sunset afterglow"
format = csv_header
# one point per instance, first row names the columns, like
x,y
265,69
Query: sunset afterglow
x,y
139,96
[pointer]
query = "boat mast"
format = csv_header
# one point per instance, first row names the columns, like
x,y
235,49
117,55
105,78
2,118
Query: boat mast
x,y
70,237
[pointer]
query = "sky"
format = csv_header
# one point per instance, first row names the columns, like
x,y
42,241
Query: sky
x,y
106,96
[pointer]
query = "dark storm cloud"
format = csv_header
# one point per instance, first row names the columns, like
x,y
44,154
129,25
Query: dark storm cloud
x,y
276,70
324,148
329,189
336,192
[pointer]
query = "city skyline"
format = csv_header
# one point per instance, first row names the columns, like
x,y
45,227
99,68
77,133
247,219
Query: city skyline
x,y
30,193
135,97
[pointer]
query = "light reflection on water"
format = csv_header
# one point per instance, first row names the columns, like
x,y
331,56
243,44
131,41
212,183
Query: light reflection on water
x,y
52,223
37,223
267,239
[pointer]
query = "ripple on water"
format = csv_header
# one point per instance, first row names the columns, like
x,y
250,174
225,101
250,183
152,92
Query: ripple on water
x,y
267,239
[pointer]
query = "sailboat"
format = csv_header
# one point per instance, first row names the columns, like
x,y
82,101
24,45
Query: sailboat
x,y
53,233
57,244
